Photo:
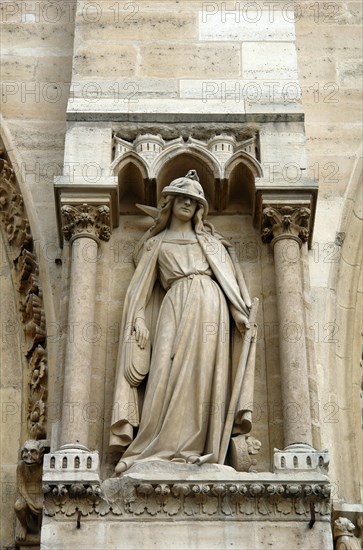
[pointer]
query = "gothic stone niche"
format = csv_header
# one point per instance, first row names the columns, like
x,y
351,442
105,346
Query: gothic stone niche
x,y
226,164
174,491
202,283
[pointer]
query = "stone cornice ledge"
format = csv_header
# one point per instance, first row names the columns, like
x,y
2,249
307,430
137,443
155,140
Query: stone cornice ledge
x,y
172,492
177,117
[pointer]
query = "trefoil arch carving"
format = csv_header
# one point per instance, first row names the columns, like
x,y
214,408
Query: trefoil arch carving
x,y
143,168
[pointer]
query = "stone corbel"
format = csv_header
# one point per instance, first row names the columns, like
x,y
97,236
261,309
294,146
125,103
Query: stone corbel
x,y
84,209
29,502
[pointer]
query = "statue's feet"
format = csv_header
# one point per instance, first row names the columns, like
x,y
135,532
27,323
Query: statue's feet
x,y
193,459
21,533
121,467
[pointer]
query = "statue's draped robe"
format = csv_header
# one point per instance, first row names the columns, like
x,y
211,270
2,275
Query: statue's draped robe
x,y
190,373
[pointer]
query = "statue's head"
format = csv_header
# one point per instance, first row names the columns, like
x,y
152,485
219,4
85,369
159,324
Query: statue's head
x,y
187,186
343,526
32,452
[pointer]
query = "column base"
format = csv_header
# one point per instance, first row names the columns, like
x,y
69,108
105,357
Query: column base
x,y
72,471
74,447
301,457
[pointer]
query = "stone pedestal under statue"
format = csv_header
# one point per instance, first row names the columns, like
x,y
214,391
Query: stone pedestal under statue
x,y
181,506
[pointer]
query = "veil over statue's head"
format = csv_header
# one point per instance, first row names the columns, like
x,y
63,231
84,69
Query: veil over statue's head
x,y
187,186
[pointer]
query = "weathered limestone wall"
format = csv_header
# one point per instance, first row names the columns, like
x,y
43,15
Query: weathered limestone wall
x,y
186,535
139,53
36,51
198,57
37,46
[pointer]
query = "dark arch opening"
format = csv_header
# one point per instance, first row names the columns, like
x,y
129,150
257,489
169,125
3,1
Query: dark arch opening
x,y
131,188
239,192
179,166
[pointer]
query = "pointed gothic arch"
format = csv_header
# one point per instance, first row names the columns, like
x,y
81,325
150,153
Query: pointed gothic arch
x,y
240,173
135,183
176,163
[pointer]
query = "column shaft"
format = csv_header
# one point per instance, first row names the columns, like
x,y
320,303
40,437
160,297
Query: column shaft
x,y
78,361
293,356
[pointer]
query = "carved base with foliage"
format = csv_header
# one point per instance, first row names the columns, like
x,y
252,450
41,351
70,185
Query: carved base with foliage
x,y
235,496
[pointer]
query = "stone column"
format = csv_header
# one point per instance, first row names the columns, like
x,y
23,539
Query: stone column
x,y
285,217
84,225
86,214
287,228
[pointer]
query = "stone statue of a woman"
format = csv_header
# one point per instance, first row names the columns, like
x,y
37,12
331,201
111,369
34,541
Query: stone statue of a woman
x,y
177,360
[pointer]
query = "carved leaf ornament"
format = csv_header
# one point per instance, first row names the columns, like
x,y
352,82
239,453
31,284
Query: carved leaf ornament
x,y
285,220
86,219
179,501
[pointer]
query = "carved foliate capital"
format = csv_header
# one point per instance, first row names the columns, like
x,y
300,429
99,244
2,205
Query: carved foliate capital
x,y
282,211
86,220
85,209
285,221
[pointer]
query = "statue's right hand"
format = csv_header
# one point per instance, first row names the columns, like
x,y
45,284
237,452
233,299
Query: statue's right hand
x,y
141,332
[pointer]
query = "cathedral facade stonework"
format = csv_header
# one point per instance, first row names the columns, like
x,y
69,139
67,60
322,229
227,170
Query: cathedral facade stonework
x,y
181,275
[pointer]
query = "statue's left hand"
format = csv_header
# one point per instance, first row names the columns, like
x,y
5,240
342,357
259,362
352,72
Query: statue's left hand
x,y
141,332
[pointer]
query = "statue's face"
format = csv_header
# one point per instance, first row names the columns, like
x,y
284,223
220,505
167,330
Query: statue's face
x,y
184,208
31,452
343,526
